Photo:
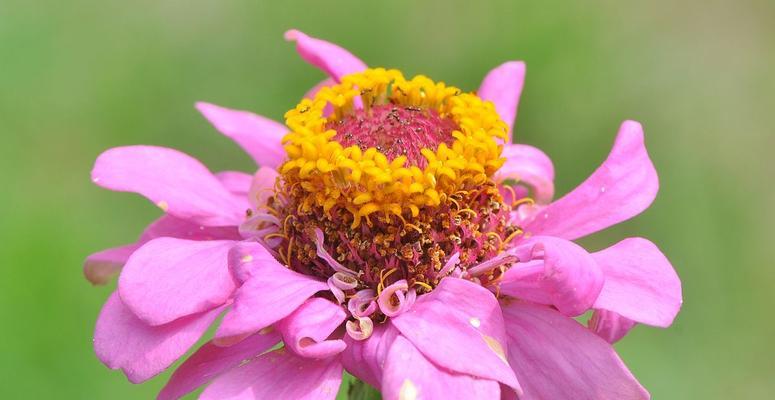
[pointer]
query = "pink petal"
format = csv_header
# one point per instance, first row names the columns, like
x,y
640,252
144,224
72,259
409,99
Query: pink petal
x,y
278,375
409,375
124,342
169,226
618,190
259,136
556,272
315,89
262,186
609,325
269,293
459,327
236,182
210,361
305,331
174,181
324,83
335,61
640,284
503,86
530,167
100,267
556,358
365,359
249,258
170,278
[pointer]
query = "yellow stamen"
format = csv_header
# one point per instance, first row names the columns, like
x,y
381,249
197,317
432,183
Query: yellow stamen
x,y
511,192
275,235
496,236
285,224
413,226
512,236
524,200
290,250
468,210
382,277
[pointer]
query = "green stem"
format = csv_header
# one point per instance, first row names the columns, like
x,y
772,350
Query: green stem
x,y
360,390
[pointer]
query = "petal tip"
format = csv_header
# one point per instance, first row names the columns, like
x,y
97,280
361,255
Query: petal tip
x,y
631,127
208,110
517,65
293,35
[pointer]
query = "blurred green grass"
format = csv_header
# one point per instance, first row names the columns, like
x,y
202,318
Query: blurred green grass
x,y
78,77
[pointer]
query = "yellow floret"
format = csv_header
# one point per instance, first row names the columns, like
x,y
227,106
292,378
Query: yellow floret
x,y
366,183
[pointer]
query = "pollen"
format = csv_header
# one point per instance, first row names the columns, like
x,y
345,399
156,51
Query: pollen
x,y
378,144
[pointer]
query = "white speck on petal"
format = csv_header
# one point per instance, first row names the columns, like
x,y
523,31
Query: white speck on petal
x,y
602,189
246,258
496,347
408,391
475,322
163,205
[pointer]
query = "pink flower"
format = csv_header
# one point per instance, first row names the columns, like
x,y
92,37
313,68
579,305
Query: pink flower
x,y
425,274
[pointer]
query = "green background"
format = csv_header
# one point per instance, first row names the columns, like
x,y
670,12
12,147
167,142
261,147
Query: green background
x,y
78,77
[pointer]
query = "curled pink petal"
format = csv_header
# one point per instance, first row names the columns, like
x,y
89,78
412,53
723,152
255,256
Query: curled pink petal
x,y
546,347
169,278
410,375
336,290
260,137
100,267
610,325
392,301
567,278
210,361
503,86
529,167
335,61
307,329
362,303
174,181
618,190
360,329
640,284
322,253
345,281
122,341
279,374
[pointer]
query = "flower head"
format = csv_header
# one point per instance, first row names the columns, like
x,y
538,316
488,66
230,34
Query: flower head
x,y
392,230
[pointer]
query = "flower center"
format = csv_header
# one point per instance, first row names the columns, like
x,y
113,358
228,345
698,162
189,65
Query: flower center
x,y
388,189
394,131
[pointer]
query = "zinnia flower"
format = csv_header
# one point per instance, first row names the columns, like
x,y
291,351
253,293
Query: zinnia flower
x,y
392,231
